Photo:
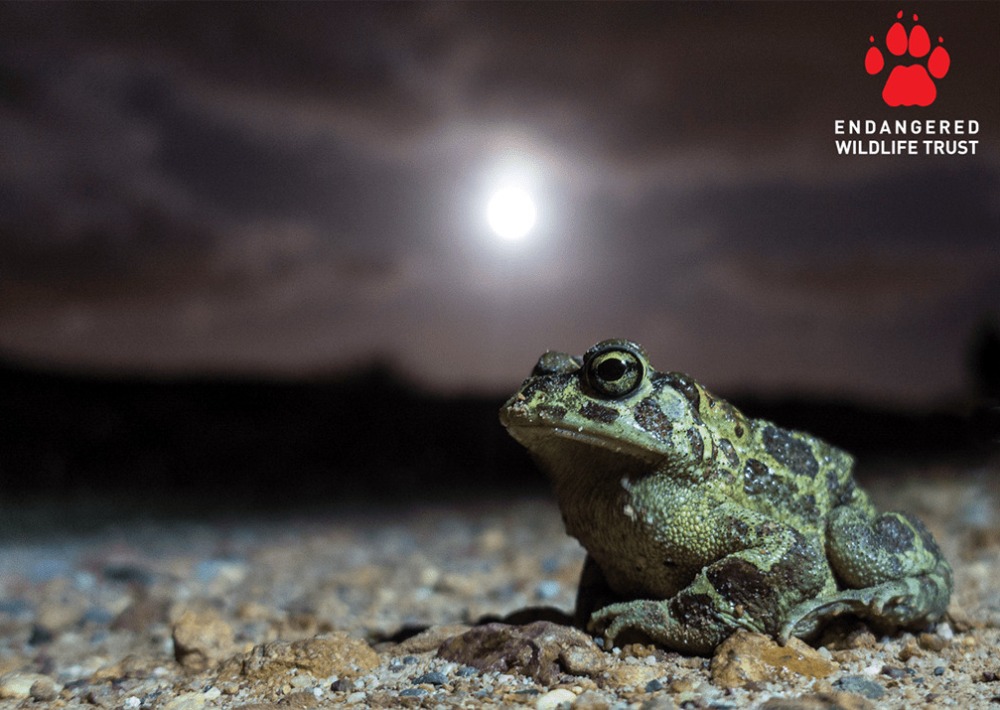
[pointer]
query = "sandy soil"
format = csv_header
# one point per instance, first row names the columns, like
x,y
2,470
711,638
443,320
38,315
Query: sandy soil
x,y
374,607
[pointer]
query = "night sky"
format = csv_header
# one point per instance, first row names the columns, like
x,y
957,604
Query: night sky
x,y
286,189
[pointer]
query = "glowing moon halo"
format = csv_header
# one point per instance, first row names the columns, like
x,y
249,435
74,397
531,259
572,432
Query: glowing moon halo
x,y
511,213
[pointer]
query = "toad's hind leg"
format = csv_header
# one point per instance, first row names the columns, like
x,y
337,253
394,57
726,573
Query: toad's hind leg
x,y
893,571
865,548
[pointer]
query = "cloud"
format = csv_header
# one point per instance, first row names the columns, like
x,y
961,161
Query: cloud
x,y
874,284
284,186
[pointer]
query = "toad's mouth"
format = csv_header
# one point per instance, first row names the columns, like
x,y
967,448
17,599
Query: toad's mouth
x,y
552,442
574,458
530,435
562,447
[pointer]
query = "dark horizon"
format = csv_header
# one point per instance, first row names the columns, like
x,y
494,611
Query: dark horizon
x,y
197,445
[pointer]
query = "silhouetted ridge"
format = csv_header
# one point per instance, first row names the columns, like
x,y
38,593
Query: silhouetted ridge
x,y
363,432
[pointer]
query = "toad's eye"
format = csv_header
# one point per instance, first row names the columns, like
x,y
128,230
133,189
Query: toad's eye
x,y
614,373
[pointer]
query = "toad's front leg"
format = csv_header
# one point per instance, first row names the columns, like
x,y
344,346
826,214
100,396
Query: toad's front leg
x,y
683,623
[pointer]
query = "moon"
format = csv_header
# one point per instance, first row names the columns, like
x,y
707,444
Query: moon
x,y
511,213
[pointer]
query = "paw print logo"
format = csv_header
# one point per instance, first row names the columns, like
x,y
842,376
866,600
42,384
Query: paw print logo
x,y
909,84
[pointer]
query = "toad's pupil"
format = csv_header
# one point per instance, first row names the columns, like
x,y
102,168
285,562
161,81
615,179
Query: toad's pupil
x,y
611,369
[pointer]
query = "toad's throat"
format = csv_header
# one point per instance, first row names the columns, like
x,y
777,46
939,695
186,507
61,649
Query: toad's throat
x,y
565,453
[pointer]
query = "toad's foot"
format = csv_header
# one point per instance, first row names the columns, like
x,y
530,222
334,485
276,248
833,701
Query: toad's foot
x,y
653,621
896,603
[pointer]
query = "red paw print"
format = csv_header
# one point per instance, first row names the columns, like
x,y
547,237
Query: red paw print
x,y
909,84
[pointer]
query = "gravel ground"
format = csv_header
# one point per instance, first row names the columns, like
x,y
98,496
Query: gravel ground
x,y
376,607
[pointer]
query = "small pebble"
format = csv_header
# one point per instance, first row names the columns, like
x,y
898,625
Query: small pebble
x,y
128,574
895,673
303,680
19,685
860,685
84,581
201,638
548,589
48,569
43,690
550,565
15,607
932,642
939,670
40,635
560,697
411,693
186,701
97,615
434,678
654,685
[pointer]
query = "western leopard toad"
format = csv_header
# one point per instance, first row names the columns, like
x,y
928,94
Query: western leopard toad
x,y
698,520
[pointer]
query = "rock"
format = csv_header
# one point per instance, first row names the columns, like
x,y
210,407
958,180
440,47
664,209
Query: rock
x,y
654,685
43,690
560,697
747,657
225,574
302,680
428,640
253,611
432,678
680,686
548,589
631,675
129,574
895,673
860,685
657,702
140,614
847,634
959,618
911,649
40,635
103,696
301,700
20,685
932,642
542,650
491,541
185,701
335,654
201,639
60,615
132,666
820,701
